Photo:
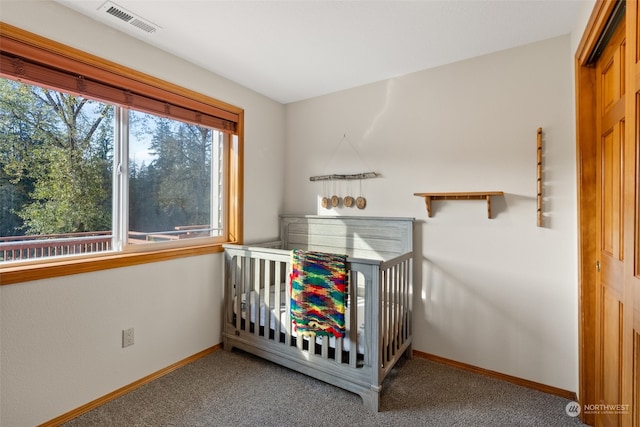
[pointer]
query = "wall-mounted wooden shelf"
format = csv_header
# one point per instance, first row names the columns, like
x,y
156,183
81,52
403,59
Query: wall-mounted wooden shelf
x,y
429,197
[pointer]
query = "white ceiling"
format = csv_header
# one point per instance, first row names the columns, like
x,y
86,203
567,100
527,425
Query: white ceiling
x,y
294,50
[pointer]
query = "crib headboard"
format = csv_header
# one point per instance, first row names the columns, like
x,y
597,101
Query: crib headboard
x,y
357,236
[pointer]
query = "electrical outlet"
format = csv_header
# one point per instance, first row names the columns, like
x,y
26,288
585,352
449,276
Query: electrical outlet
x,y
127,337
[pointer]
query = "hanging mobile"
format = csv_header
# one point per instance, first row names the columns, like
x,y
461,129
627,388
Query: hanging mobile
x,y
335,200
325,199
361,202
348,200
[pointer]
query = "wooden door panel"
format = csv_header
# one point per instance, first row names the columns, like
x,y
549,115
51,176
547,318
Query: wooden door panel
x,y
611,331
612,78
610,176
611,208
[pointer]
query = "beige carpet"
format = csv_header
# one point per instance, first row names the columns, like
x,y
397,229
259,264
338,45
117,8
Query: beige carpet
x,y
237,389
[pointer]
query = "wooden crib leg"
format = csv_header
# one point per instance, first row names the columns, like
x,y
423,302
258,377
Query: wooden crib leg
x,y
226,345
372,399
408,353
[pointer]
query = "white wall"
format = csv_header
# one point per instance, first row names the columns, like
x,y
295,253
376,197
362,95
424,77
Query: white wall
x,y
60,339
497,293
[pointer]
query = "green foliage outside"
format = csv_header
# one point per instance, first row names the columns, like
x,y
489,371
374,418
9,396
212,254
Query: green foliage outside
x,y
174,189
56,166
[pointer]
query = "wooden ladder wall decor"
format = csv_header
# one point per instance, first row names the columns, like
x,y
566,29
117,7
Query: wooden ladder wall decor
x,y
539,172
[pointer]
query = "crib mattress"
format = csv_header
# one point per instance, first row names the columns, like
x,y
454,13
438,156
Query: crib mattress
x,y
282,314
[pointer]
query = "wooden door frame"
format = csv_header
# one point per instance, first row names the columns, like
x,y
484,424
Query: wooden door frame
x,y
586,166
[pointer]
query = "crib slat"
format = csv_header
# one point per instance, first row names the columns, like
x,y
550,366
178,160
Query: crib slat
x,y
359,279
247,266
409,264
234,270
287,334
267,280
389,308
396,309
299,342
237,291
354,321
277,303
255,286
242,279
409,299
405,301
311,344
385,317
401,304
392,312
391,325
393,306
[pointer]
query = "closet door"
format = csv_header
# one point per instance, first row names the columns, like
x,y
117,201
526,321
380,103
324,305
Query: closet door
x,y
608,116
611,164
630,387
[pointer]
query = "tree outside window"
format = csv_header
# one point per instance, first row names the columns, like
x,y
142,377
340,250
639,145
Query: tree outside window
x,y
61,177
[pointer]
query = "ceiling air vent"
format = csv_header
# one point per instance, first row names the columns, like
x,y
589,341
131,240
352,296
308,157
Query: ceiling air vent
x,y
123,16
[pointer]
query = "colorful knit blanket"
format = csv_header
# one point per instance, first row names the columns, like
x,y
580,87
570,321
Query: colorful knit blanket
x,y
318,293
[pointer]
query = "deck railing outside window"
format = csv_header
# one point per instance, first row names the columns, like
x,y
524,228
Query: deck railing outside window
x,y
48,245
14,248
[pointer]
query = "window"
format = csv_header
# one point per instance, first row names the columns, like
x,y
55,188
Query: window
x,y
109,163
175,180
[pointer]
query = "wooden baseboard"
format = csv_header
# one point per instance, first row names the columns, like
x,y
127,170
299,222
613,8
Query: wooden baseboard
x,y
493,374
126,389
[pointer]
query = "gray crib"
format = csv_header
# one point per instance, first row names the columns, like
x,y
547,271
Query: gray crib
x,y
378,317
